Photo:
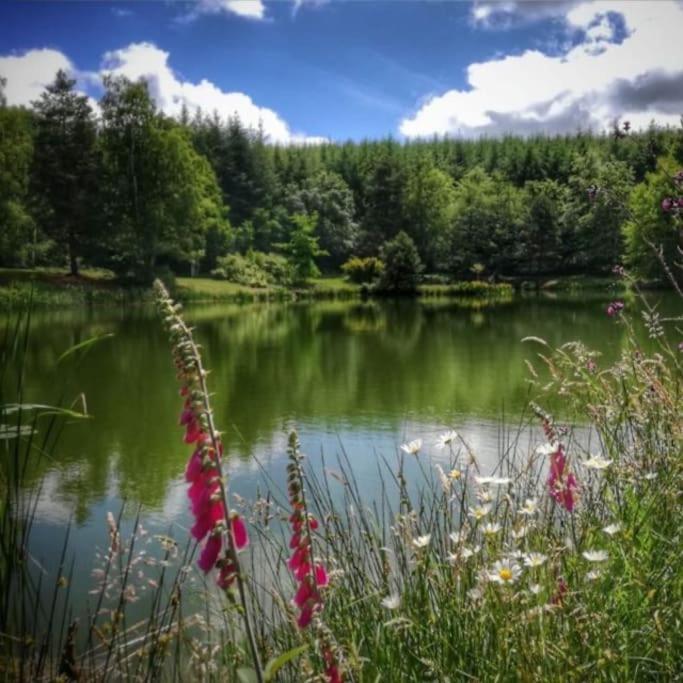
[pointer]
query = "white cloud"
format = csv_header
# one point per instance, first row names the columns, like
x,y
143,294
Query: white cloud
x,y
589,85
249,9
28,74
145,60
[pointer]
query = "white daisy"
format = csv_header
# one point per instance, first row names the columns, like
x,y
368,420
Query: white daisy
x,y
597,462
650,476
455,474
529,508
593,575
457,536
391,601
446,439
595,555
504,572
479,512
445,481
535,559
612,529
413,447
422,541
466,552
491,528
520,532
535,588
484,495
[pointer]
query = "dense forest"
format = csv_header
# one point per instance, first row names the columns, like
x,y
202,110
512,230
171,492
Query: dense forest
x,y
130,189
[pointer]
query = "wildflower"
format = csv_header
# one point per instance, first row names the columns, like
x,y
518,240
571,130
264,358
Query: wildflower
x,y
597,462
446,439
561,481
491,529
614,307
649,476
458,536
534,560
680,345
422,541
561,589
310,575
667,204
466,552
475,594
504,572
535,588
593,575
520,532
529,508
479,512
391,601
612,529
595,555
455,474
484,495
413,447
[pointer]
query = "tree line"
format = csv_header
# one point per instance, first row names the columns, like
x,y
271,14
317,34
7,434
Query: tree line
x,y
133,190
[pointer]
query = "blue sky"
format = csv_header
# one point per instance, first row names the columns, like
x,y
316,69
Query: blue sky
x,y
338,70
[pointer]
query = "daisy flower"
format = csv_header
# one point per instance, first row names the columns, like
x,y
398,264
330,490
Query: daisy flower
x,y
391,601
412,447
593,575
612,529
479,512
493,481
491,528
422,541
446,439
597,462
529,508
535,560
455,474
504,572
595,555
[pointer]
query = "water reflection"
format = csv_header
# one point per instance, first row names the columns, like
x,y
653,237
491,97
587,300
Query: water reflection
x,y
361,375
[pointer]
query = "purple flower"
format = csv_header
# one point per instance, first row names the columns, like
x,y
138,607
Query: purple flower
x,y
667,204
680,346
614,308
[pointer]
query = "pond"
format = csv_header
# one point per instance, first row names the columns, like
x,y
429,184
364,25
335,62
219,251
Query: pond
x,y
354,377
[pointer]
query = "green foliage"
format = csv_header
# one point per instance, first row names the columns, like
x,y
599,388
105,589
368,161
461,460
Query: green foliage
x,y
489,214
255,269
649,227
17,229
402,266
64,166
428,210
363,270
302,248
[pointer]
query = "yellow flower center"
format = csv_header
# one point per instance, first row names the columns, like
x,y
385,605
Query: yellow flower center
x,y
505,574
455,474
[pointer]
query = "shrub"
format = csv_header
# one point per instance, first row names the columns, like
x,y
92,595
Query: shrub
x,y
241,270
276,267
363,270
402,265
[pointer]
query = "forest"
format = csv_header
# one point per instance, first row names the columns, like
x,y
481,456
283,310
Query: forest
x,y
122,186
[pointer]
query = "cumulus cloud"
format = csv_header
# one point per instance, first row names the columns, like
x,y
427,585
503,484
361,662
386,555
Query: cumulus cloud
x,y
29,73
171,92
590,84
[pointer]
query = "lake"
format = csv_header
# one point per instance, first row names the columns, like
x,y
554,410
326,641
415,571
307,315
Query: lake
x,y
353,377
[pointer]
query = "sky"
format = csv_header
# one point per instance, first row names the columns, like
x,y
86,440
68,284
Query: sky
x,y
312,70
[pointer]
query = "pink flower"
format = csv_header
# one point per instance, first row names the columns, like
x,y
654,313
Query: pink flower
x,y
227,575
667,204
193,431
209,557
240,538
562,483
194,466
206,521
305,616
614,308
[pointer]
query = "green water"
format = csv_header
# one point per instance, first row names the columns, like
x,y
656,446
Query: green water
x,y
362,377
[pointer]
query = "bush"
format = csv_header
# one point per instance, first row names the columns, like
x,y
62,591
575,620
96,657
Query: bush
x,y
402,266
363,270
255,269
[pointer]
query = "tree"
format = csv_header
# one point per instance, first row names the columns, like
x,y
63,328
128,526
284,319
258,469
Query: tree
x,y
540,238
428,204
488,213
654,223
161,197
64,165
328,197
302,248
402,265
17,229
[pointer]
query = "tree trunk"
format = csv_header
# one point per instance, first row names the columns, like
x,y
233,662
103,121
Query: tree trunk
x,y
73,259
